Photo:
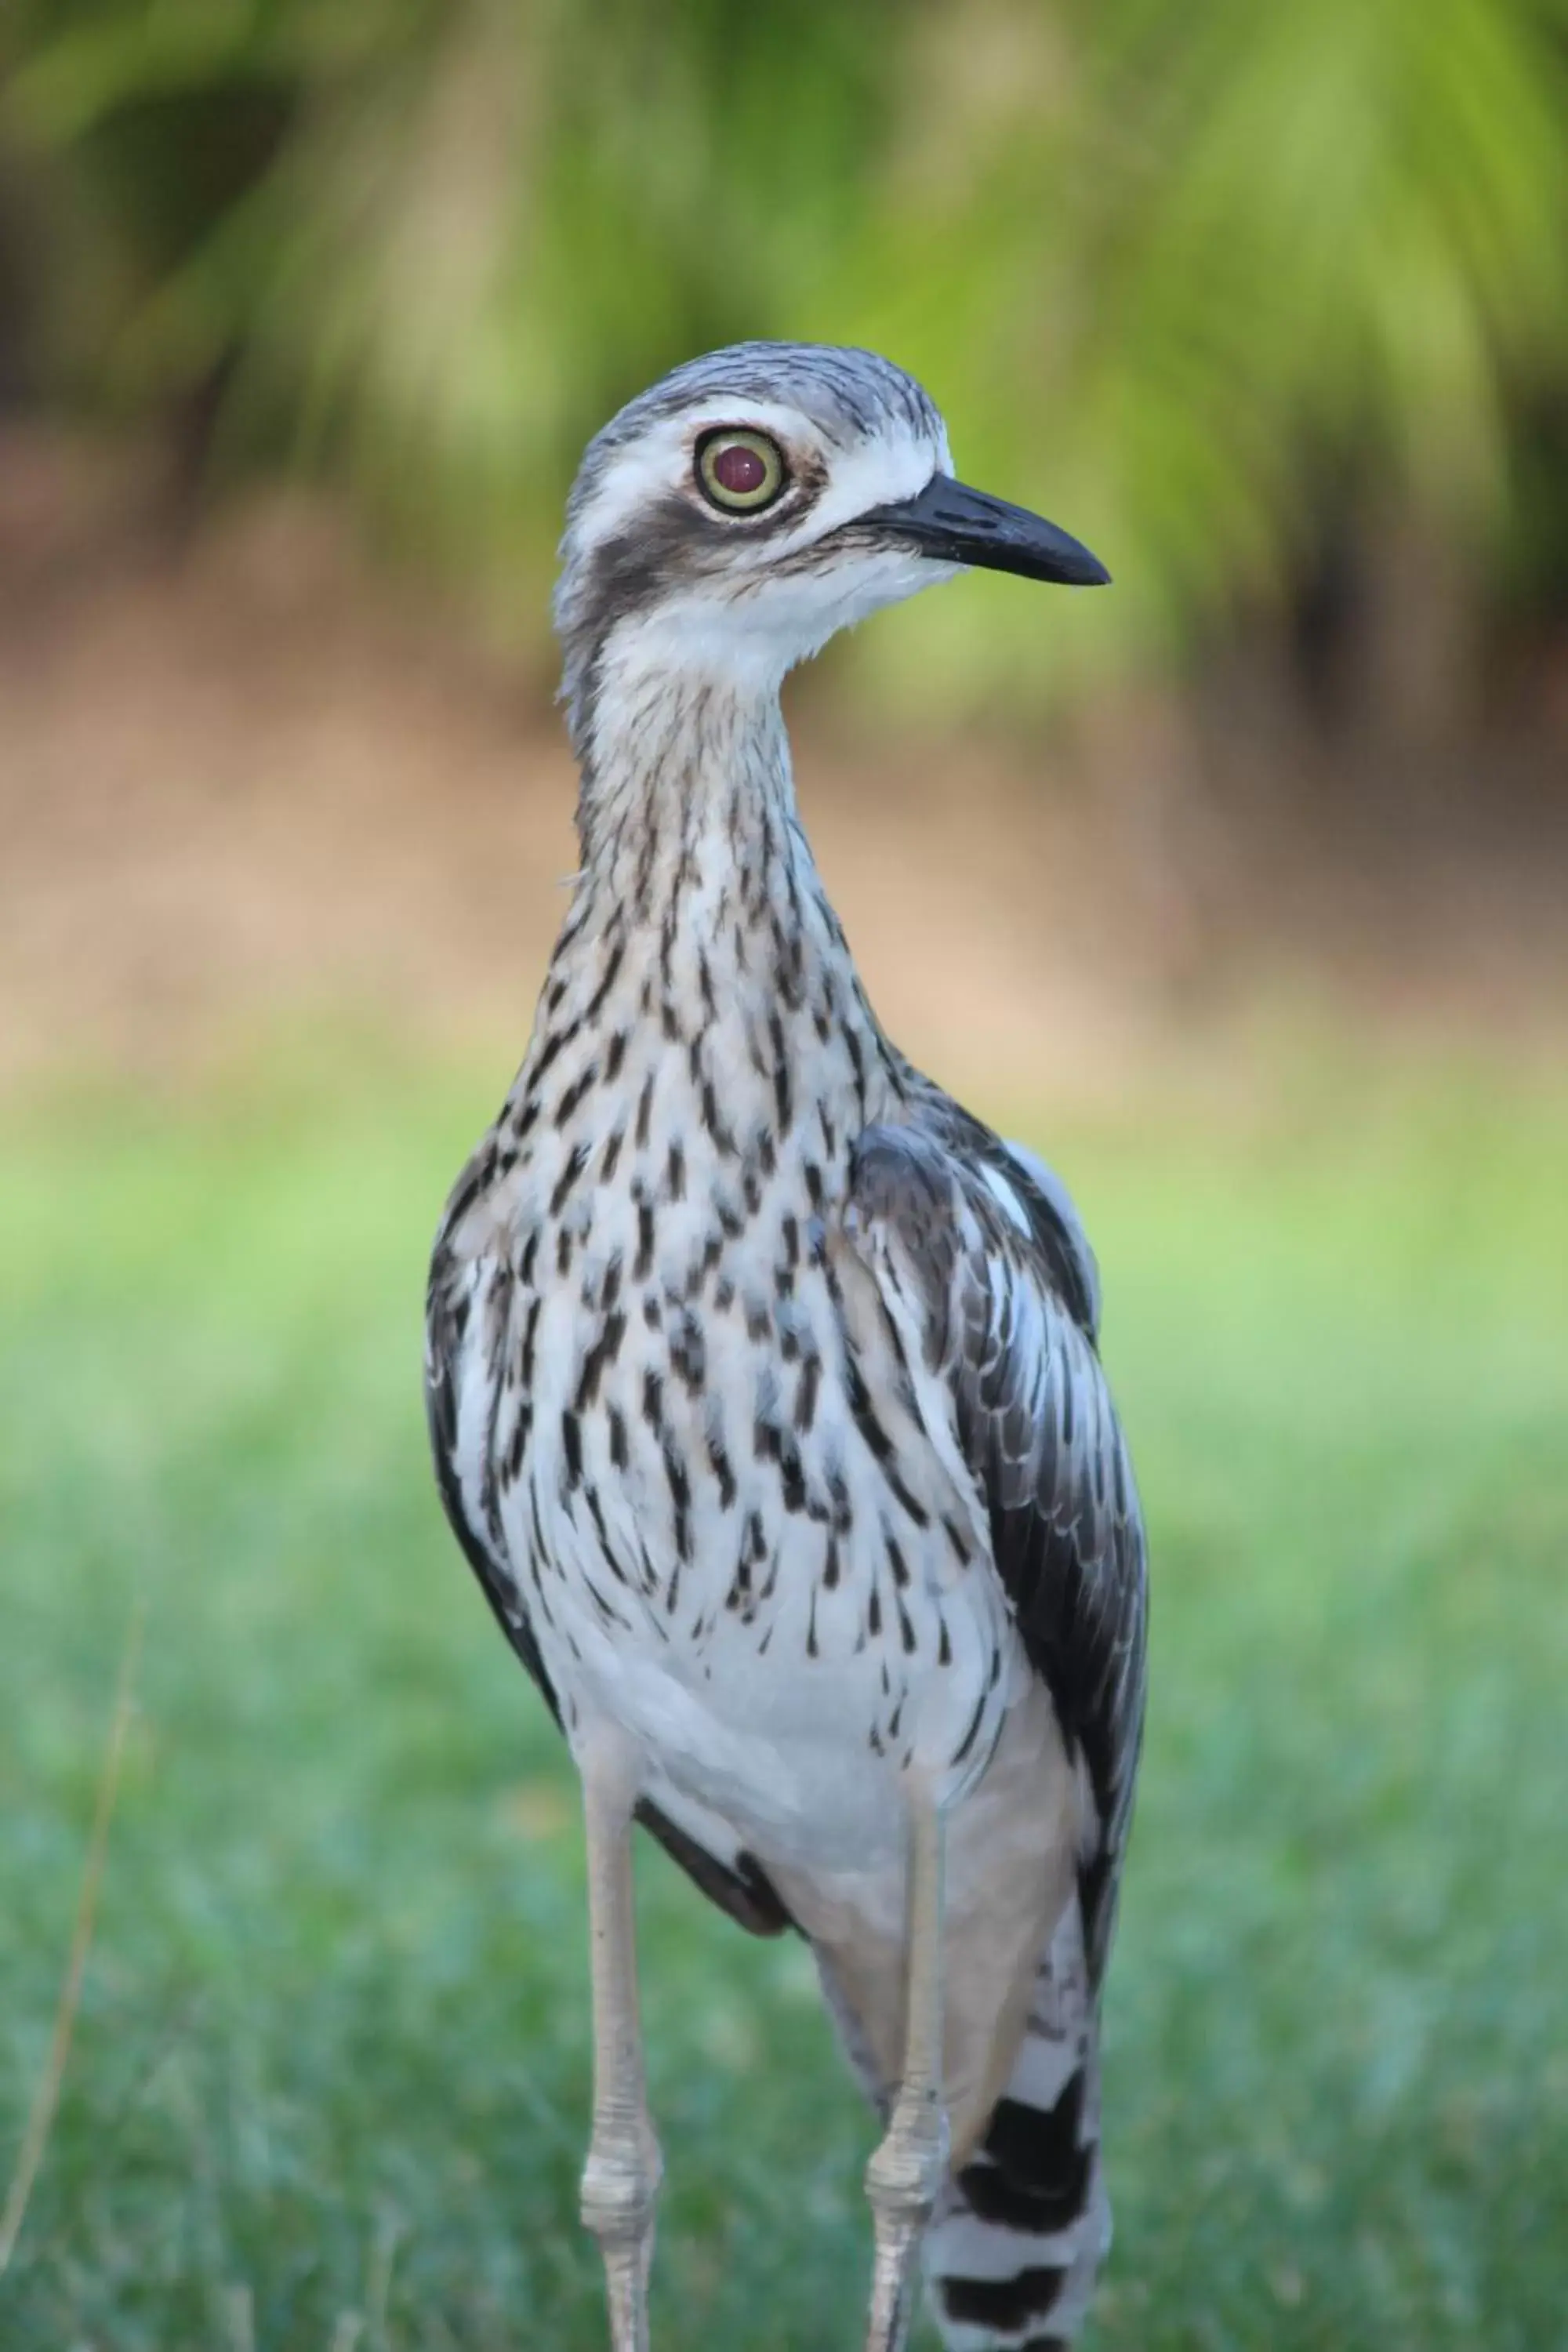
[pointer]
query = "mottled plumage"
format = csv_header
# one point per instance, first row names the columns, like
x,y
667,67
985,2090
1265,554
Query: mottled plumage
x,y
762,1380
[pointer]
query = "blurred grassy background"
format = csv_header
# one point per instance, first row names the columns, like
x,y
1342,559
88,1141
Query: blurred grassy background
x,y
330,2076
1239,891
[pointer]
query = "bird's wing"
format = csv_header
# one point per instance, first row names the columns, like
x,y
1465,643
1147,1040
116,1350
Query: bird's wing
x,y
979,1258
454,1315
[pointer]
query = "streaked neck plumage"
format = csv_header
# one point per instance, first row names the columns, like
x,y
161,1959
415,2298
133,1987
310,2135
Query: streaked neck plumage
x,y
675,766
700,963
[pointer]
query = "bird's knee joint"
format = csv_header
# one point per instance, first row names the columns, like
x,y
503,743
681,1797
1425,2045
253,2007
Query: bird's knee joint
x,y
620,2185
906,2171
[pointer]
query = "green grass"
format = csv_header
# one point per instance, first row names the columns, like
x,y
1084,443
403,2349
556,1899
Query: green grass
x,y
330,2076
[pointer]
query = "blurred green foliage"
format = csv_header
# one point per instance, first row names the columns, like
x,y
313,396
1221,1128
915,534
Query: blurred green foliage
x,y
1215,283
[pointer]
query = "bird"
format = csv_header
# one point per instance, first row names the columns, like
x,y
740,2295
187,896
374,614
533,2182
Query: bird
x,y
763,1383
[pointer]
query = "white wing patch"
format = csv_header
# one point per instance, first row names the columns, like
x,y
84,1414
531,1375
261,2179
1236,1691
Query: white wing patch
x,y
1046,1180
1006,1199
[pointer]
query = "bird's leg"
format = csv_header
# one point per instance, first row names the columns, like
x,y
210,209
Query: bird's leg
x,y
906,2172
620,2180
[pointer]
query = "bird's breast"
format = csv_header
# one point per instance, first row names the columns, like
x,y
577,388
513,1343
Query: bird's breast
x,y
712,1492
724,1543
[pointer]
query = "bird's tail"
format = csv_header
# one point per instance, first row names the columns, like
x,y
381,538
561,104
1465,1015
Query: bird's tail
x,y
1021,2229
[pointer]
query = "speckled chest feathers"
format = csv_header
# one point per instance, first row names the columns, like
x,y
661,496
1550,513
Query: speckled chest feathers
x,y
663,1355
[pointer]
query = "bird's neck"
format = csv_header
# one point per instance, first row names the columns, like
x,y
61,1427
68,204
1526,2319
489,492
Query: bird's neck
x,y
686,802
701,954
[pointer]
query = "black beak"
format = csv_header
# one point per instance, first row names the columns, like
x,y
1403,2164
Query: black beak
x,y
954,524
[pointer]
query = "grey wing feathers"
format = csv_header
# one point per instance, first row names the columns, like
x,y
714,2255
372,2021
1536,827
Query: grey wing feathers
x,y
1010,1296
1060,1203
449,1305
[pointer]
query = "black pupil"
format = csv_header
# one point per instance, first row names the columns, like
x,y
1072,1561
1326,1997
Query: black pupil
x,y
740,470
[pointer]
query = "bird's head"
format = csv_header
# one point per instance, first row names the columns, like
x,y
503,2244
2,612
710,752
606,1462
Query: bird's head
x,y
728,520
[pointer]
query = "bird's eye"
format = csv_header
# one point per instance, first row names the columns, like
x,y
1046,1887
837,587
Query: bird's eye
x,y
740,471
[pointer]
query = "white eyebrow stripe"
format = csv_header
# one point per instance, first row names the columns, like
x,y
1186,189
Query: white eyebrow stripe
x,y
892,462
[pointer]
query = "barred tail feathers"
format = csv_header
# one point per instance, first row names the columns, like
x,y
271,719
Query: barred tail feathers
x,y
1020,2232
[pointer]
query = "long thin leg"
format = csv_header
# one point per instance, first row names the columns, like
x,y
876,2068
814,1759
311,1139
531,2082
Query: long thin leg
x,y
906,2172
620,2180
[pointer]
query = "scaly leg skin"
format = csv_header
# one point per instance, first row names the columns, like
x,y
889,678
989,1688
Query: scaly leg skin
x,y
620,2180
906,2172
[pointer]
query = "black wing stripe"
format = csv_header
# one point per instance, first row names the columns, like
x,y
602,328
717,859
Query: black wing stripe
x,y
1008,1295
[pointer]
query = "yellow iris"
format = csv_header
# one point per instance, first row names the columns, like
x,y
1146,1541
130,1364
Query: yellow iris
x,y
740,471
